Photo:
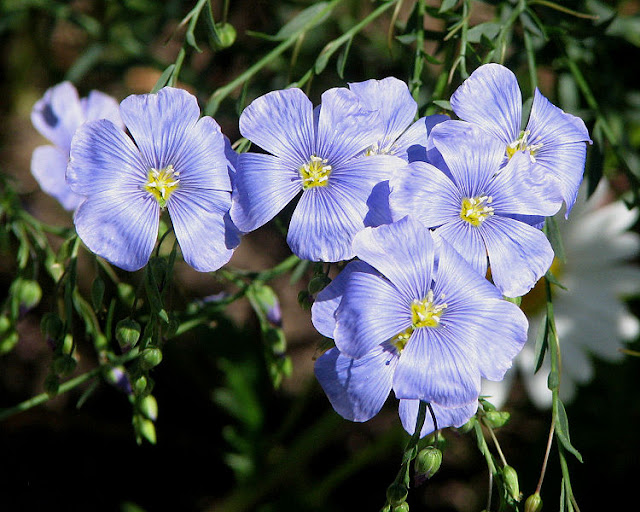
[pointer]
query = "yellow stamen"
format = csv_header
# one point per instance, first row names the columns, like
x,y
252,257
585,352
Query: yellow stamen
x,y
475,210
161,183
315,173
425,313
522,144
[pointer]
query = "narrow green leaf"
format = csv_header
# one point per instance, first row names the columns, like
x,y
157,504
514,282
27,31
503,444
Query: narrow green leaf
x,y
488,29
303,19
444,104
342,58
562,430
541,343
447,5
555,238
164,78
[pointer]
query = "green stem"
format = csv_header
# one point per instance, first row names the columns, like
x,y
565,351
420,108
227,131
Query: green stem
x,y
566,10
216,98
67,386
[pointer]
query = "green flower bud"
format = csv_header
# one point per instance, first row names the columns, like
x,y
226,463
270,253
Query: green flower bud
x,y
386,508
126,293
28,293
149,407
5,325
150,357
305,300
397,493
226,35
496,419
97,293
64,364
140,385
51,326
427,463
511,482
127,332
145,429
402,507
67,344
100,342
52,384
468,426
533,503
8,340
318,283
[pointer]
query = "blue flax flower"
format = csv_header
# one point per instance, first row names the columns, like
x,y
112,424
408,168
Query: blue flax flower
x,y
57,115
175,160
480,207
318,154
554,140
400,135
411,315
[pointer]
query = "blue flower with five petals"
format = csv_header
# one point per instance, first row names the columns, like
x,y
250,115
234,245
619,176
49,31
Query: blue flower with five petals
x,y
410,315
317,154
173,160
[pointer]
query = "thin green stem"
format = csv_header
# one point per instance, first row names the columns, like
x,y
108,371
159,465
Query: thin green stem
x,y
67,386
216,98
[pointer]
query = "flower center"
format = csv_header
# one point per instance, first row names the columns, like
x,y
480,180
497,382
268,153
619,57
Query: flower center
x,y
161,183
425,312
475,210
315,173
522,144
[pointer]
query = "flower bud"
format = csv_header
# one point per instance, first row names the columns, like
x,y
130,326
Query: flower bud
x,y
402,507
149,407
533,503
496,419
5,325
51,326
51,384
64,364
119,378
427,463
150,357
127,332
305,300
511,482
28,293
397,493
318,283
145,428
226,35
8,340
140,385
468,426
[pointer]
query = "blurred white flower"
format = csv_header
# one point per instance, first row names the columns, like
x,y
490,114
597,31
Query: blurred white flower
x,y
591,317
